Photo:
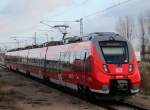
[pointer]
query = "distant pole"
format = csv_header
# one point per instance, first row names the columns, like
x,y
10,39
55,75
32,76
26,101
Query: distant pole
x,y
26,43
18,43
52,38
47,36
81,27
35,38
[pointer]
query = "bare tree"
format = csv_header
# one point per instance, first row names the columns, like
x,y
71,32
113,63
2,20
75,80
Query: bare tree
x,y
125,27
142,32
148,24
148,29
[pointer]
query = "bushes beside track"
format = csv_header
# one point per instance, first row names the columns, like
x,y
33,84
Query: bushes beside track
x,y
145,75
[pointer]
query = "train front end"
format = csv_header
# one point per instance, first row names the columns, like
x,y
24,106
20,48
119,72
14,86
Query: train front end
x,y
114,65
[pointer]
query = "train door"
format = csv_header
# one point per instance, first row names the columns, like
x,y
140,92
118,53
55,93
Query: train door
x,y
59,68
80,65
85,65
40,64
27,67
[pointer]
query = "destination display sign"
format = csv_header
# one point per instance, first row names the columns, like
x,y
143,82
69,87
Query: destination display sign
x,y
116,43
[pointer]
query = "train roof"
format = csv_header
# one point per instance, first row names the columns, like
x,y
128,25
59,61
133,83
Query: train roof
x,y
103,36
96,36
100,36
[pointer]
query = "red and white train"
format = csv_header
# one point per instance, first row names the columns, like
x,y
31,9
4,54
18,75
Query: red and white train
x,y
101,62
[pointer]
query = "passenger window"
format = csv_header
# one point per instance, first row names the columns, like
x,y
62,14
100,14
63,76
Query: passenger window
x,y
82,55
67,60
78,56
87,61
71,58
63,59
77,62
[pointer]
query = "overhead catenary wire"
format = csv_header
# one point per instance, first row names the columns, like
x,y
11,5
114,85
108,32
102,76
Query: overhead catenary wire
x,y
84,2
106,9
97,12
74,7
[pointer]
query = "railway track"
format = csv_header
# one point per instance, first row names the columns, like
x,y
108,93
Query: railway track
x,y
108,105
135,106
121,105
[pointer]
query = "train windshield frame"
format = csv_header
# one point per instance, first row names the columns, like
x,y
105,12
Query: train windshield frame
x,y
115,52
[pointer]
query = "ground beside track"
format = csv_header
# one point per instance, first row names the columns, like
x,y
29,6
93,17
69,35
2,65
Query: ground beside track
x,y
19,93
140,100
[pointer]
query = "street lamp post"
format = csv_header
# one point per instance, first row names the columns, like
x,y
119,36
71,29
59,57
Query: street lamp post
x,y
81,26
35,38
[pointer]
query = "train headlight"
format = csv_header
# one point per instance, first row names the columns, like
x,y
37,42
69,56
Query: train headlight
x,y
130,67
105,68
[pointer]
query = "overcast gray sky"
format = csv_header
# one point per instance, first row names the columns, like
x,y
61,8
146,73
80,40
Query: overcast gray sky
x,y
22,18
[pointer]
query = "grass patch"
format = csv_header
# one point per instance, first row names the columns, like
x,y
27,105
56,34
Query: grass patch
x,y
5,89
7,93
23,107
3,83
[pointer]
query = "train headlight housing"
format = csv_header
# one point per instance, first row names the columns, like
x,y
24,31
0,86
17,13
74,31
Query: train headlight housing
x,y
131,67
135,87
104,87
105,68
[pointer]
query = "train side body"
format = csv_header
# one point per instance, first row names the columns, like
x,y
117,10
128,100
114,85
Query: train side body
x,y
91,64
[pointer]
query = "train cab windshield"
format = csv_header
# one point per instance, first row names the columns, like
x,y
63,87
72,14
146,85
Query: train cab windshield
x,y
115,52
